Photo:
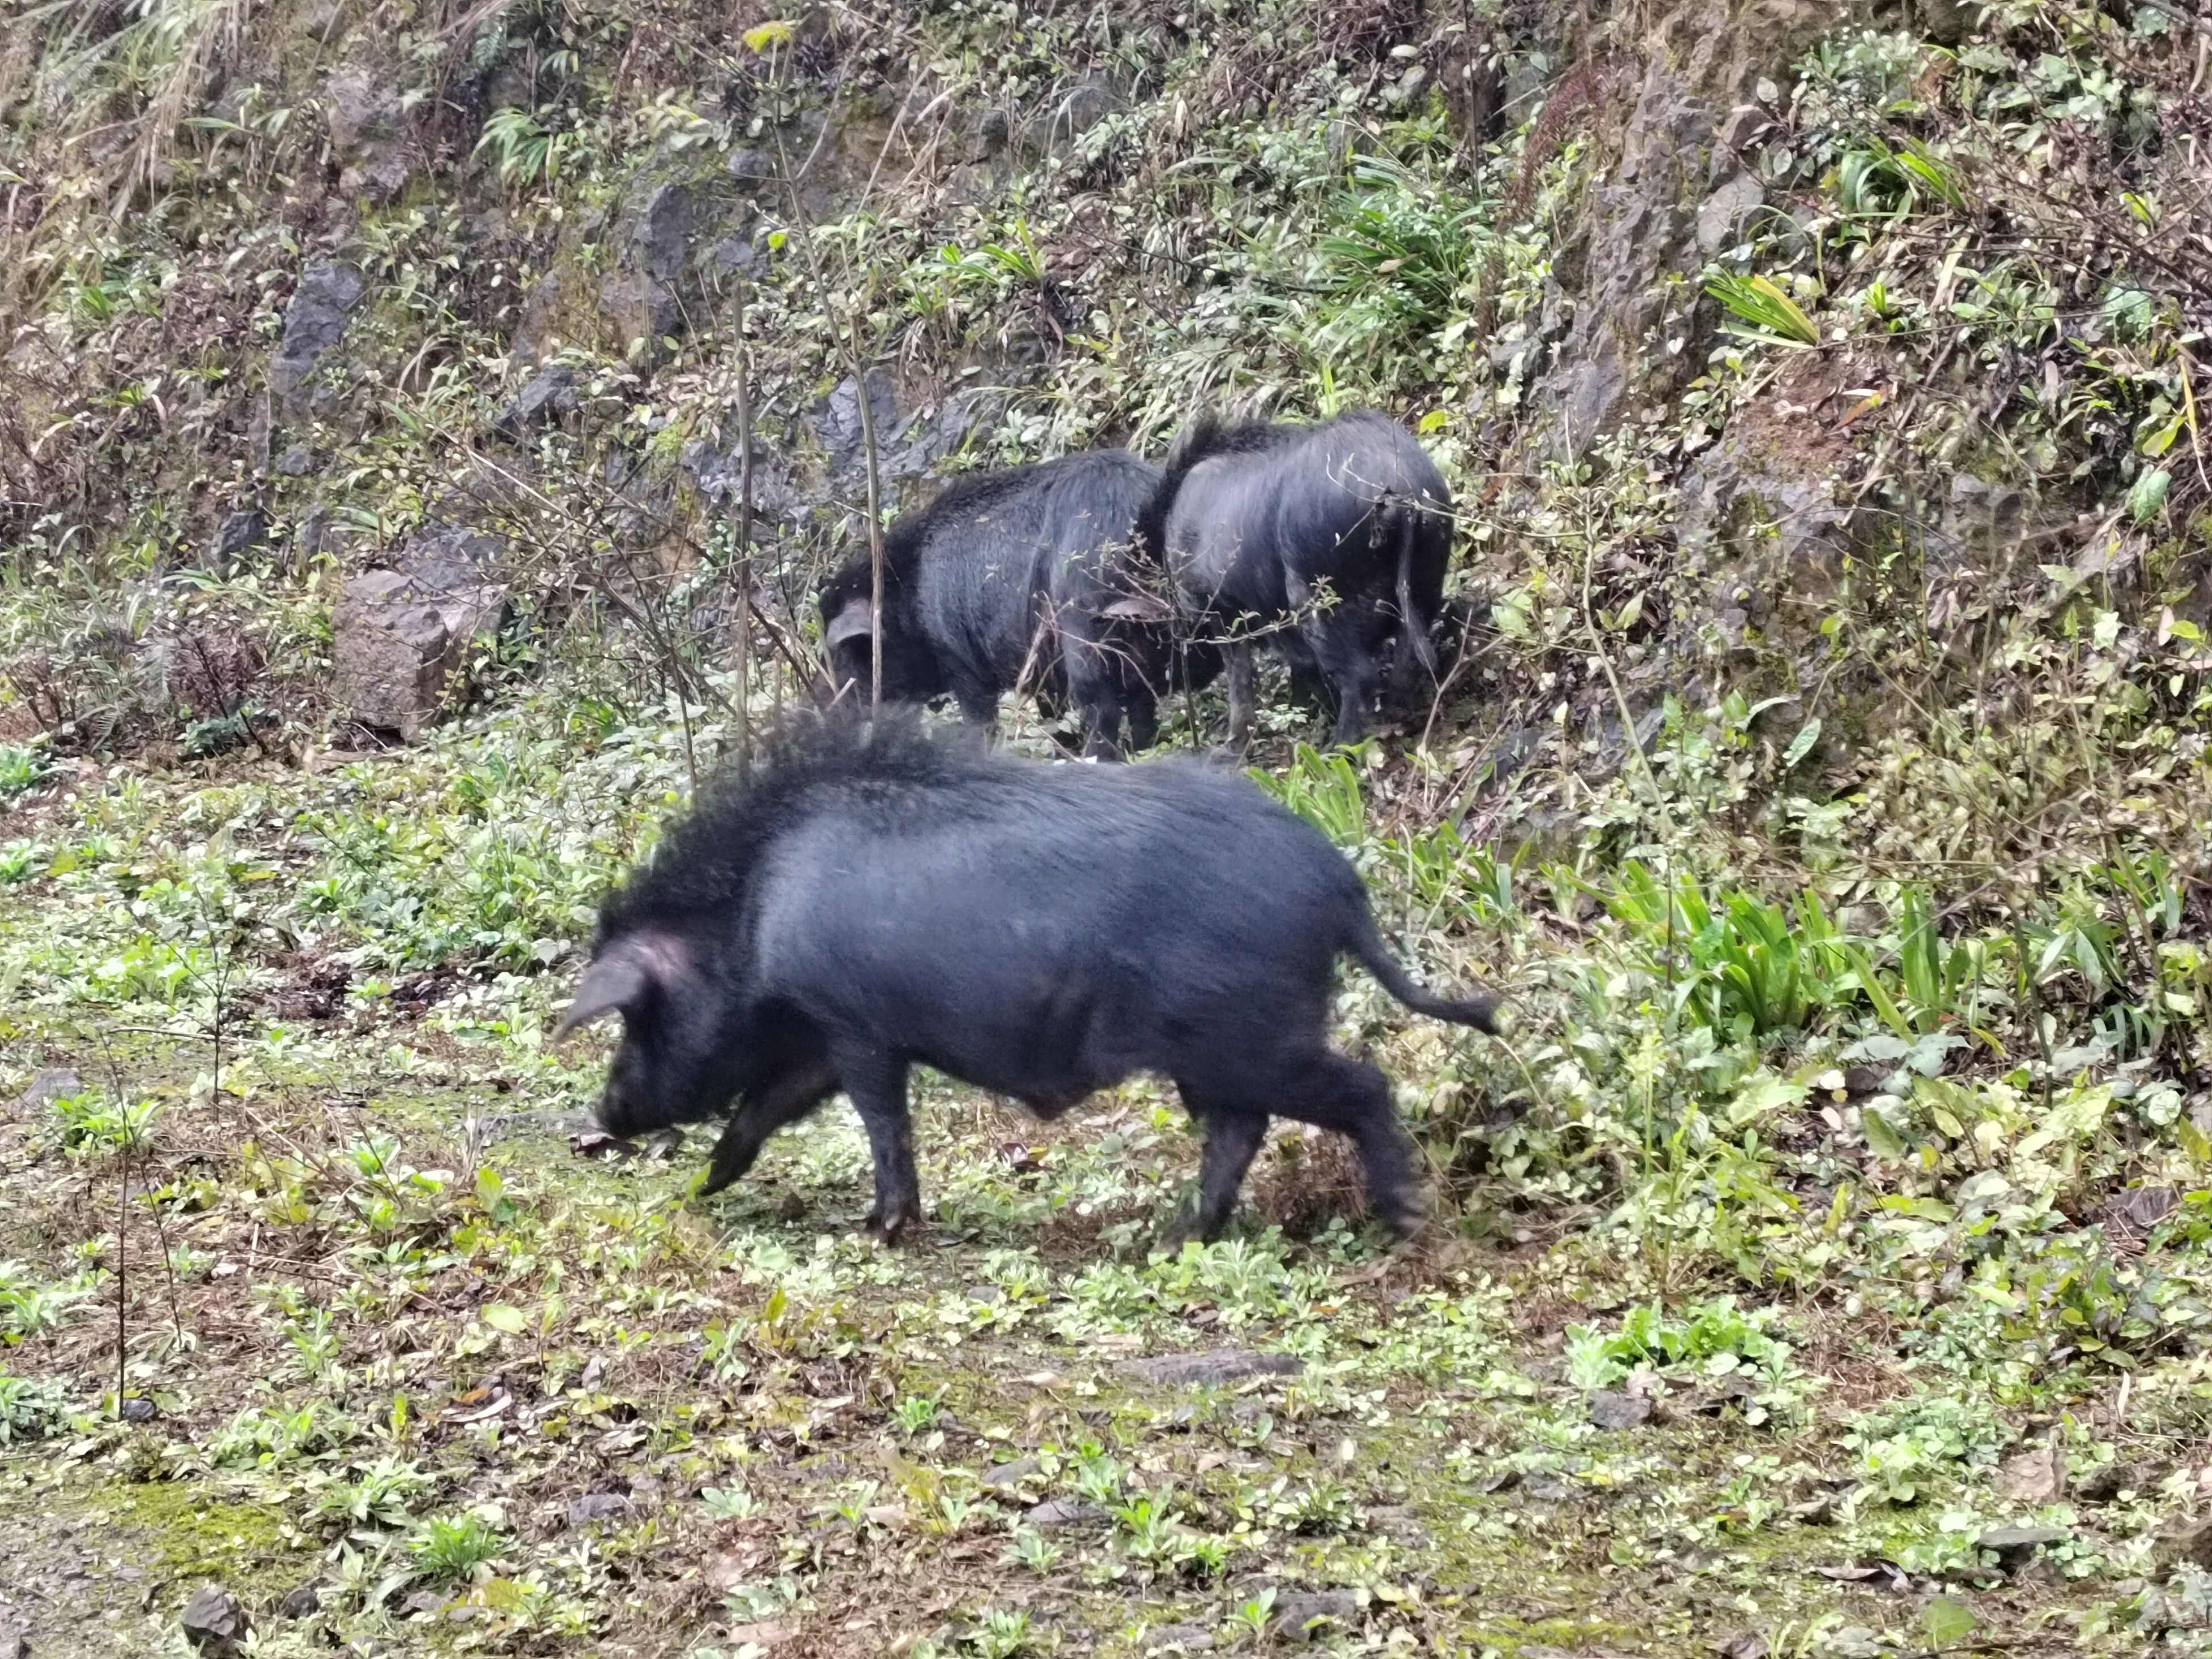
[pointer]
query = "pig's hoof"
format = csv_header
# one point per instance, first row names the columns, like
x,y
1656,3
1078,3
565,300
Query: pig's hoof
x,y
890,1229
1407,1221
1185,1229
715,1181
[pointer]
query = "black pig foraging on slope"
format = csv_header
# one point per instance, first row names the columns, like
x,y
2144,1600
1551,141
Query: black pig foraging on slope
x,y
1013,579
869,899
1327,541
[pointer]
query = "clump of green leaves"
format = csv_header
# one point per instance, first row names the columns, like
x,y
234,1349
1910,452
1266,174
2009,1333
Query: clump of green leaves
x,y
523,151
1323,789
1401,253
1763,310
1712,1338
22,769
93,1125
1912,1448
30,1410
375,1494
29,1308
454,1549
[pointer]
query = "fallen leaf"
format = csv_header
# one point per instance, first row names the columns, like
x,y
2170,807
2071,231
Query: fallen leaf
x,y
725,1570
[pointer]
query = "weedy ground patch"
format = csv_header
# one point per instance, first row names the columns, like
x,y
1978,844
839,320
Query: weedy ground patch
x,y
1751,1316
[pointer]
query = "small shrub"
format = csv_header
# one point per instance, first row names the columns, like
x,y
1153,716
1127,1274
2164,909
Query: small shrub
x,y
20,771
29,1410
454,1549
94,1125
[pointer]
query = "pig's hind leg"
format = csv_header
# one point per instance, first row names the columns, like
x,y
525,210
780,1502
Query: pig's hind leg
x,y
1335,1092
1233,1134
875,1079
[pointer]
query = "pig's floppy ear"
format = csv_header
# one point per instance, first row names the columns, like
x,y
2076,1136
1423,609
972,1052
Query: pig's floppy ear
x,y
854,621
617,981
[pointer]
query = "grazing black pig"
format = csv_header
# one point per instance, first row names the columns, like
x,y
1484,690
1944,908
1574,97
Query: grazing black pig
x,y
1326,539
1020,578
869,899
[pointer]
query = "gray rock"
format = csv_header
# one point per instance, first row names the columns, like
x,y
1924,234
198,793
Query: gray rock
x,y
1179,1638
239,534
751,167
1064,1512
1089,101
719,476
1724,218
380,177
649,502
1590,395
1610,1410
1006,1477
139,1409
213,1621
354,109
837,420
989,135
313,323
741,254
1946,22
362,118
399,637
1762,518
260,431
55,1083
539,332
1302,1616
1513,751
963,414
301,1601
1398,1522
296,461
599,1506
2190,1544
1220,1366
320,533
664,232
550,394
640,306
1733,140
506,1126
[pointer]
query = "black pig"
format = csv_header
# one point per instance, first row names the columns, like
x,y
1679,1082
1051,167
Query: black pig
x,y
1326,539
1012,578
870,898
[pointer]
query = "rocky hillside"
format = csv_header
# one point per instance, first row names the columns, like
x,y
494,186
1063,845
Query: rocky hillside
x,y
1730,325
426,424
